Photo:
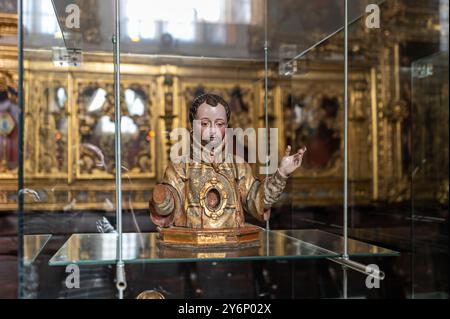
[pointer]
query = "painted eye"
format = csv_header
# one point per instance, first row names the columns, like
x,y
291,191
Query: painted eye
x,y
205,124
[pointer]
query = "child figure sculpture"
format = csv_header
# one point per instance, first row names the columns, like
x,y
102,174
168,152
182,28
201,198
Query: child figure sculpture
x,y
203,197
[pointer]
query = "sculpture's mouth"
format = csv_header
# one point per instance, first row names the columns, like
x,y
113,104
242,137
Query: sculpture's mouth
x,y
214,140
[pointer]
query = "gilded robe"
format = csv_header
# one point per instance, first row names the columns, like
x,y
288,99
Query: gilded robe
x,y
239,193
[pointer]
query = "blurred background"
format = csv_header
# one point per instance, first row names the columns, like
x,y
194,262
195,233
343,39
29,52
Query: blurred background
x,y
173,51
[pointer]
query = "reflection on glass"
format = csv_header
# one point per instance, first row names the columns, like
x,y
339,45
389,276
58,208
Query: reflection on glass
x,y
95,100
335,243
135,103
96,129
313,121
39,17
183,20
9,6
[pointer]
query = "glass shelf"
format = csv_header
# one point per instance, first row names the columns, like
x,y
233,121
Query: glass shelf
x,y
335,243
32,246
143,248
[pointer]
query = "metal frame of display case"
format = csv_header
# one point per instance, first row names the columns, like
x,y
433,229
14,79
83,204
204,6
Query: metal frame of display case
x,y
20,199
120,266
295,241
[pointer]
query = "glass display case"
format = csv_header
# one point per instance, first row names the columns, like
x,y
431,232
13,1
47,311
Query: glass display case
x,y
106,86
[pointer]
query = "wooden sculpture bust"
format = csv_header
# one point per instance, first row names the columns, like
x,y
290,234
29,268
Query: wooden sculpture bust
x,y
203,197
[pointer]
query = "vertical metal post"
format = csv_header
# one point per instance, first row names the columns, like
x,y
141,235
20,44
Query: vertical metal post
x,y
20,146
344,282
120,267
345,222
266,85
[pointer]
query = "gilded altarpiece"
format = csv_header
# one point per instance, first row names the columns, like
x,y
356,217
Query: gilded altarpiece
x,y
69,142
69,138
312,108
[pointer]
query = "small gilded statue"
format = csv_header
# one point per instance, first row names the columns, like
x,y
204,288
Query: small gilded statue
x,y
204,195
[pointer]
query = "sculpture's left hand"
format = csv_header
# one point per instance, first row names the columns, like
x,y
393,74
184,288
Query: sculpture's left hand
x,y
289,163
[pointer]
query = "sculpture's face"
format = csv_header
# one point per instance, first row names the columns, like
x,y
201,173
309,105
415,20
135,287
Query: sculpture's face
x,y
211,121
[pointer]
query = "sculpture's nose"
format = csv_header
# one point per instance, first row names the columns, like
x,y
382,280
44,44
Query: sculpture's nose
x,y
214,132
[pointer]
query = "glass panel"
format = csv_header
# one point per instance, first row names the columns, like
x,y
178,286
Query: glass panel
x,y
397,110
295,27
430,175
306,104
32,247
84,25
214,46
68,162
195,28
207,47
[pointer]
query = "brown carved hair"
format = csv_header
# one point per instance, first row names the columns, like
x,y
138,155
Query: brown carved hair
x,y
210,99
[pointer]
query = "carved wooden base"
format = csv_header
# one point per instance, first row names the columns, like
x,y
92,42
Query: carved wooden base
x,y
182,237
